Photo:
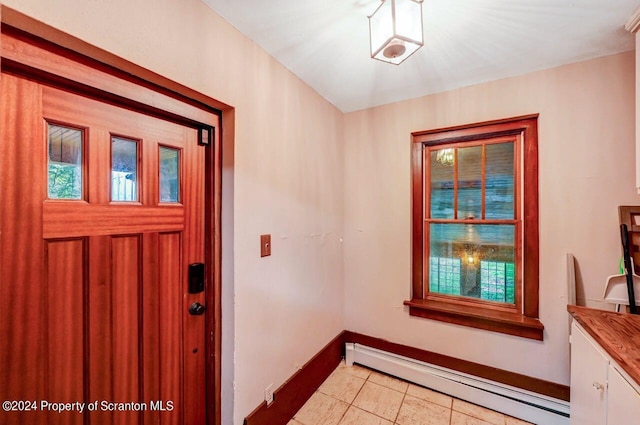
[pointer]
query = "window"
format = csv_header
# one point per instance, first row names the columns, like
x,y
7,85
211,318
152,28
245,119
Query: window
x,y
65,162
475,226
124,169
169,175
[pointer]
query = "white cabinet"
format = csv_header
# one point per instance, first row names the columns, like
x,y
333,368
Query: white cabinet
x,y
589,367
623,404
600,394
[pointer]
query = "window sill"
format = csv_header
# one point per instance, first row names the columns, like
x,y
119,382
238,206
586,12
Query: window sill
x,y
475,317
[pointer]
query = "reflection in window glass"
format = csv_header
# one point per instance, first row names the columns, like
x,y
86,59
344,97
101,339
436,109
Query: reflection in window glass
x,y
470,182
473,260
65,163
442,182
124,170
500,181
497,281
444,275
169,175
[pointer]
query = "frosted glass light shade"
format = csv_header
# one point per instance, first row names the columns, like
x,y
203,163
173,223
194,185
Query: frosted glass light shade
x,y
396,30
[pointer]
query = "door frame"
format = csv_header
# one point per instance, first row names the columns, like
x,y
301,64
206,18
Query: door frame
x,y
35,50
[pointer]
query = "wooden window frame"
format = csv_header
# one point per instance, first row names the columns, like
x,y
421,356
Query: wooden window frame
x,y
521,319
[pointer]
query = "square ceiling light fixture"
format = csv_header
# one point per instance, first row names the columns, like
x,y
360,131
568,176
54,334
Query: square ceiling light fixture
x,y
396,30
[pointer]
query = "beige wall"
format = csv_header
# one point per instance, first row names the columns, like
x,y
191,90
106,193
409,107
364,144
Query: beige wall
x,y
308,174
586,143
286,171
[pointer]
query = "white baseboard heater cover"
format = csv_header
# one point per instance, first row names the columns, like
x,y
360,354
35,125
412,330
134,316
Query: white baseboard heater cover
x,y
526,405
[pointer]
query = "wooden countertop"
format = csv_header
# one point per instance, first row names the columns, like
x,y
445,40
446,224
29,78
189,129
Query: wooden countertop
x,y
617,333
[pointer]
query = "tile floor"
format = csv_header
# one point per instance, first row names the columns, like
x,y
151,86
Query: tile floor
x,y
358,396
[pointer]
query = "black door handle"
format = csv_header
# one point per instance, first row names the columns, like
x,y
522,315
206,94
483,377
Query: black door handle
x,y
196,309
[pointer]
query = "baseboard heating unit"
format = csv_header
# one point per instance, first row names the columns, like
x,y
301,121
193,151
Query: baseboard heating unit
x,y
526,405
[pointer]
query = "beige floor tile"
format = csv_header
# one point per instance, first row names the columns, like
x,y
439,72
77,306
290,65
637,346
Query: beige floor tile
x,y
379,400
355,416
342,385
415,411
355,370
388,381
478,412
458,418
514,421
321,409
430,395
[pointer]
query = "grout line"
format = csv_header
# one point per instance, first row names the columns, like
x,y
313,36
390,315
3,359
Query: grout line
x,y
404,395
395,421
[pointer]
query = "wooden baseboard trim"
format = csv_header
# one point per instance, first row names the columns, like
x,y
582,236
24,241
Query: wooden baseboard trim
x,y
513,379
292,395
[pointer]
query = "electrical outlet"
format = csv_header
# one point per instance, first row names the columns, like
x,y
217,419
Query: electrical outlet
x,y
268,394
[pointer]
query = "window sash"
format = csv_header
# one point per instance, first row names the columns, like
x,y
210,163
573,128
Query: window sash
x,y
471,271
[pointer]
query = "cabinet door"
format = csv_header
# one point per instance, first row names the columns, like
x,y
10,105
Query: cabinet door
x,y
588,380
623,406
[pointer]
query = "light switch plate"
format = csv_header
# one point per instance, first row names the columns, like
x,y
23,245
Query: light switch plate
x,y
265,245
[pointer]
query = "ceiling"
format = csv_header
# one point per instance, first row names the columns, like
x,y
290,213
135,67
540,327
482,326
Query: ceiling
x,y
326,42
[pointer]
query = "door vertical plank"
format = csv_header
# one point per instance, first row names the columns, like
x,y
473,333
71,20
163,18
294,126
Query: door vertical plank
x,y
23,296
126,273
101,362
151,325
170,293
65,289
193,193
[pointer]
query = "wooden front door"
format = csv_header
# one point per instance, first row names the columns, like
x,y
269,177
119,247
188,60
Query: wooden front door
x,y
102,214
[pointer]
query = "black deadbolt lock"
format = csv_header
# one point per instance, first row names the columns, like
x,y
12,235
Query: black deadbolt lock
x,y
196,278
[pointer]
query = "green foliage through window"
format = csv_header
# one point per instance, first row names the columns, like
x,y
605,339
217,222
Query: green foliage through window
x,y
65,162
65,181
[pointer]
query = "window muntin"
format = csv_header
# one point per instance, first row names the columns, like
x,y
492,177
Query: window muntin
x,y
65,158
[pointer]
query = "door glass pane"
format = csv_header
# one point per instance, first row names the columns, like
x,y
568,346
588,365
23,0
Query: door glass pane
x,y
65,162
500,172
442,183
478,261
169,175
470,182
124,169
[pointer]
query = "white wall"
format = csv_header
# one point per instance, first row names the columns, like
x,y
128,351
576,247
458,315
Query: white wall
x,y
586,143
286,174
